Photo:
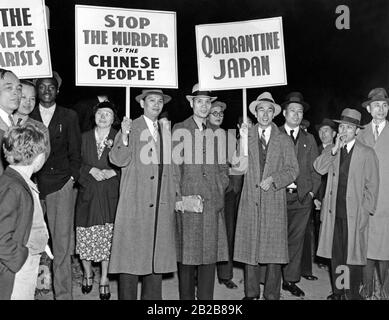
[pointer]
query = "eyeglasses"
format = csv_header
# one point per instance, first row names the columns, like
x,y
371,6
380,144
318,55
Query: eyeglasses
x,y
218,114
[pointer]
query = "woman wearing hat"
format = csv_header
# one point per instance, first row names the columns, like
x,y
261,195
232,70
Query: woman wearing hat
x,y
97,198
350,198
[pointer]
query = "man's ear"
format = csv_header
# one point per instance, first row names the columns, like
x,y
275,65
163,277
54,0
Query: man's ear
x,y
356,131
284,112
333,134
142,103
191,103
368,108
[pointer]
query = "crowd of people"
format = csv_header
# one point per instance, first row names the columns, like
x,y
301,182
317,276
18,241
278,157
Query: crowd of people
x,y
151,198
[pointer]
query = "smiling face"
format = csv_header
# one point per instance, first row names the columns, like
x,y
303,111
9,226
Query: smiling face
x,y
378,110
201,106
28,100
216,116
10,92
47,91
293,114
104,118
265,114
152,105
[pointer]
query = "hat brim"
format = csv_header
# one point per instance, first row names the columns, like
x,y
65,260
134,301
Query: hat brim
x,y
348,122
253,105
305,105
166,98
366,103
318,126
190,98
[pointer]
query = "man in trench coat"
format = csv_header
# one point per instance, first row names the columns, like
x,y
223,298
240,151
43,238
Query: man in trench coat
x,y
261,235
144,231
376,135
350,197
201,238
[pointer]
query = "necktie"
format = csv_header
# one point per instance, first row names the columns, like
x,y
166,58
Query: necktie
x,y
263,140
292,136
155,133
204,127
11,119
19,122
376,133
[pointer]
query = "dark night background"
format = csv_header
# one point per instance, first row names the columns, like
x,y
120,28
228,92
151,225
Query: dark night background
x,y
334,69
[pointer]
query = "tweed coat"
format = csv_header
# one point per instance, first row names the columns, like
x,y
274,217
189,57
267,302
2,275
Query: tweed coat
x,y
361,200
201,238
378,244
261,234
144,238
16,214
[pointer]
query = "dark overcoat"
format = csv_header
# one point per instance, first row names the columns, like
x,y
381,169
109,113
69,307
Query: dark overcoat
x,y
144,237
201,238
261,234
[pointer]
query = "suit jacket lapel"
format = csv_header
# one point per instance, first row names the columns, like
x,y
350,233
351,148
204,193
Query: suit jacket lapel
x,y
272,149
3,125
254,150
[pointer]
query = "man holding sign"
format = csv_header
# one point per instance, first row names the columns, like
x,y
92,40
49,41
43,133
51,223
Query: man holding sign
x,y
261,232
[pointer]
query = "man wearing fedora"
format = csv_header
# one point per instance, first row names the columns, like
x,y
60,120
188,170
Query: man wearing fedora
x,y
202,239
144,239
261,237
299,193
376,135
56,178
350,197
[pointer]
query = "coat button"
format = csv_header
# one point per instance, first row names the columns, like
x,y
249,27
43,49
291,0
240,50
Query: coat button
x,y
331,192
333,174
204,175
329,211
257,186
152,177
151,205
256,204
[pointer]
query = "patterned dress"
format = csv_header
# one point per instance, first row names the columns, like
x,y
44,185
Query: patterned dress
x,y
97,200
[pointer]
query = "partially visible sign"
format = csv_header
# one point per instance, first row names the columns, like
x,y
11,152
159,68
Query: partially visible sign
x,y
125,47
24,44
244,54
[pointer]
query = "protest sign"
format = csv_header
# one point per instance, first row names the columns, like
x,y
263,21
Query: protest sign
x,y
125,47
24,44
244,54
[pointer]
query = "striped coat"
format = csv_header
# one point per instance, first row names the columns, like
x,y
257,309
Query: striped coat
x,y
261,232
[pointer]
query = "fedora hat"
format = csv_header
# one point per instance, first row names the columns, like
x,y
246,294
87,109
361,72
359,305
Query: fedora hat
x,y
350,116
264,97
220,104
326,122
376,94
146,92
295,97
197,93
55,76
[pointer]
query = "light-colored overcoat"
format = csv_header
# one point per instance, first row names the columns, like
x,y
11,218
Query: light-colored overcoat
x,y
261,232
378,244
361,200
201,237
144,238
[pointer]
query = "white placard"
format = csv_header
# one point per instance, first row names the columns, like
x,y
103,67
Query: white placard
x,y
24,43
244,54
125,47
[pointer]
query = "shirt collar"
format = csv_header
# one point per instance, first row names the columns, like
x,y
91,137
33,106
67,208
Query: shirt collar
x,y
381,126
267,132
350,145
47,110
150,123
199,123
295,130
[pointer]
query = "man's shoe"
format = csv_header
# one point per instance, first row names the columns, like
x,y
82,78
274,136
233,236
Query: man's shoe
x,y
293,289
335,296
228,283
310,277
